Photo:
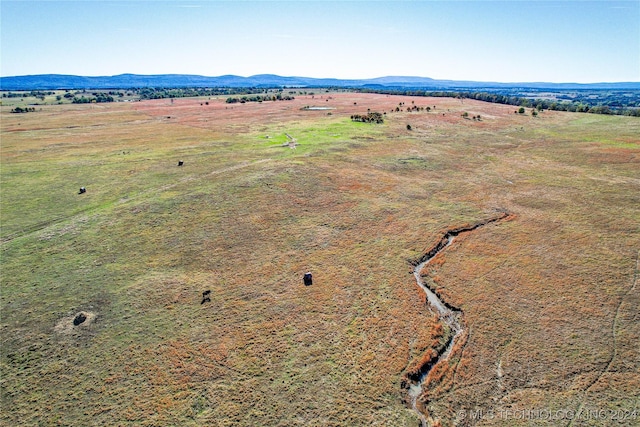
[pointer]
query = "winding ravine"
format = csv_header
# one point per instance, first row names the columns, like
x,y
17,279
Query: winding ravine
x,y
451,316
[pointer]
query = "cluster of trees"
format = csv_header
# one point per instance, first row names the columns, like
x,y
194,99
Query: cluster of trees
x,y
15,95
161,93
99,97
371,117
35,93
607,102
412,108
23,110
614,99
259,98
103,97
95,97
188,92
76,97
416,108
466,116
580,105
88,96
82,100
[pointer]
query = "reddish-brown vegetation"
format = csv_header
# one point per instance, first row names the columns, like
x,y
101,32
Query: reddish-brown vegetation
x,y
548,298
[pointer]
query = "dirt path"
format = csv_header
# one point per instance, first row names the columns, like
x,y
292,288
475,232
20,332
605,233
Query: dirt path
x,y
614,353
451,316
291,143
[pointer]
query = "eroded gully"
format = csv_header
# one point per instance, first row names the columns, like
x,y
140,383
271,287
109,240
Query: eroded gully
x,y
447,314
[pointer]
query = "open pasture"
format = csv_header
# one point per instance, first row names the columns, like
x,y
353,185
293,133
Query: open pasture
x,y
550,296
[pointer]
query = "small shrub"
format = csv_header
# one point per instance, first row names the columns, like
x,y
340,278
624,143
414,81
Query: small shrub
x,y
371,117
23,110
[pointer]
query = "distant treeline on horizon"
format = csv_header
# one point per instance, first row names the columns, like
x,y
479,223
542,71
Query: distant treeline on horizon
x,y
595,101
605,102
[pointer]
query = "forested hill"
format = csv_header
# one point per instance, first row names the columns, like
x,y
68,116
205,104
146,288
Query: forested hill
x,y
124,81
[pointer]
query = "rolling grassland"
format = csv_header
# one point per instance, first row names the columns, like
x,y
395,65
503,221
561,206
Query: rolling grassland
x,y
550,294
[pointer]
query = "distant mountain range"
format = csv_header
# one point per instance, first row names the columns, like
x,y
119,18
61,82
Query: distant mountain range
x,y
124,81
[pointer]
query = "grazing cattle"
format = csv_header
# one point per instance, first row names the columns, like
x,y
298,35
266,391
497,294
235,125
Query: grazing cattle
x,y
80,318
206,296
308,279
180,163
82,190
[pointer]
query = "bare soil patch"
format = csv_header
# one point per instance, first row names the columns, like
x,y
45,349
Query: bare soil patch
x,y
75,323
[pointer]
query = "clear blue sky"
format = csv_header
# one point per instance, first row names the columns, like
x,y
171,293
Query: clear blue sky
x,y
510,41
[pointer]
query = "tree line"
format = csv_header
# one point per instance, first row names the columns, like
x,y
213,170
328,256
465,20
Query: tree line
x,y
23,110
98,98
35,93
188,92
620,104
161,93
259,98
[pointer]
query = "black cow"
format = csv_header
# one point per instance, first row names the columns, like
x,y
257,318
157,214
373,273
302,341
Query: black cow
x,y
80,318
308,279
206,296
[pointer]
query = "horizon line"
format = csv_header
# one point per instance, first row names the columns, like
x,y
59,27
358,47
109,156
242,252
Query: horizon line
x,y
321,78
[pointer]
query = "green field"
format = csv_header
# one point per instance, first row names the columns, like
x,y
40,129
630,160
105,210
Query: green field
x,y
550,297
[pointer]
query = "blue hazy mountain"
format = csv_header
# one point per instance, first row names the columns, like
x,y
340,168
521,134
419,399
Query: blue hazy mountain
x,y
124,81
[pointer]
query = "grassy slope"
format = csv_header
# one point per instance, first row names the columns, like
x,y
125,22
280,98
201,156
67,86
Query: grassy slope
x,y
246,218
